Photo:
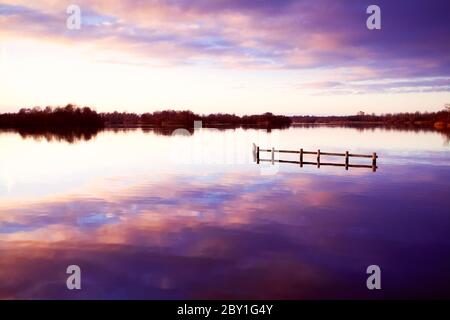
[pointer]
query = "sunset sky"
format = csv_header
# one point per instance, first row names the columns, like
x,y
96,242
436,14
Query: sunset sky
x,y
234,56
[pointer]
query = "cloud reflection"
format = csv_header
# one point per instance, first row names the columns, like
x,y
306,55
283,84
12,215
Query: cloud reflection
x,y
234,238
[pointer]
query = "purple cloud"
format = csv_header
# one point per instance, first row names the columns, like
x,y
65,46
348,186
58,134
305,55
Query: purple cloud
x,y
413,41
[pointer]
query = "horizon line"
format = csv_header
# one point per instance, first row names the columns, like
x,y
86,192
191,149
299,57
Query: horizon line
x,y
446,107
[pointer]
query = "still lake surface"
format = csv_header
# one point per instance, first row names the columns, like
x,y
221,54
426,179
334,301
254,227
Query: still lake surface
x,y
148,215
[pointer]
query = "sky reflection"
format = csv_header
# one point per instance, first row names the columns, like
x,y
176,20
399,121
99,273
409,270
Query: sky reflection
x,y
291,235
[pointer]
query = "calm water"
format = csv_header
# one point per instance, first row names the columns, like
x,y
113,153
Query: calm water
x,y
148,215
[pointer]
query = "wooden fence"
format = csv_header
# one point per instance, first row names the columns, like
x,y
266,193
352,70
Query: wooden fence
x,y
347,155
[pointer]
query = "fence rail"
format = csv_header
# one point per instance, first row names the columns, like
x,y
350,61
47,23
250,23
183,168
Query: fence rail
x,y
347,155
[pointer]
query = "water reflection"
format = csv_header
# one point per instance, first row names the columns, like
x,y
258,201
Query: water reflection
x,y
143,226
235,235
74,135
374,127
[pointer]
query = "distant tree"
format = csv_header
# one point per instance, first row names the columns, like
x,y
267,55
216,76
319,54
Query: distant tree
x,y
49,118
71,116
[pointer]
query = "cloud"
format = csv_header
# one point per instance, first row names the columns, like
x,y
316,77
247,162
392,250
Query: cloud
x,y
291,35
437,84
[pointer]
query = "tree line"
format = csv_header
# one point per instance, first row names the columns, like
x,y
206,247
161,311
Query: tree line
x,y
186,119
439,119
58,118
74,117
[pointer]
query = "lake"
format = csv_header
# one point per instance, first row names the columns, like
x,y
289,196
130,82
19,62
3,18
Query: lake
x,y
147,214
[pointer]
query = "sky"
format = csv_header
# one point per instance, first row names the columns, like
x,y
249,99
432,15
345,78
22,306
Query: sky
x,y
235,56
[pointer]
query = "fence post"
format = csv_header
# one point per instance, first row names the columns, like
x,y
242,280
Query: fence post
x,y
374,161
318,158
346,160
273,155
257,155
301,157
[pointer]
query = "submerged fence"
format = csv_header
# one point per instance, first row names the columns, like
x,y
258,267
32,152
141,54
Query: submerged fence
x,y
347,155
